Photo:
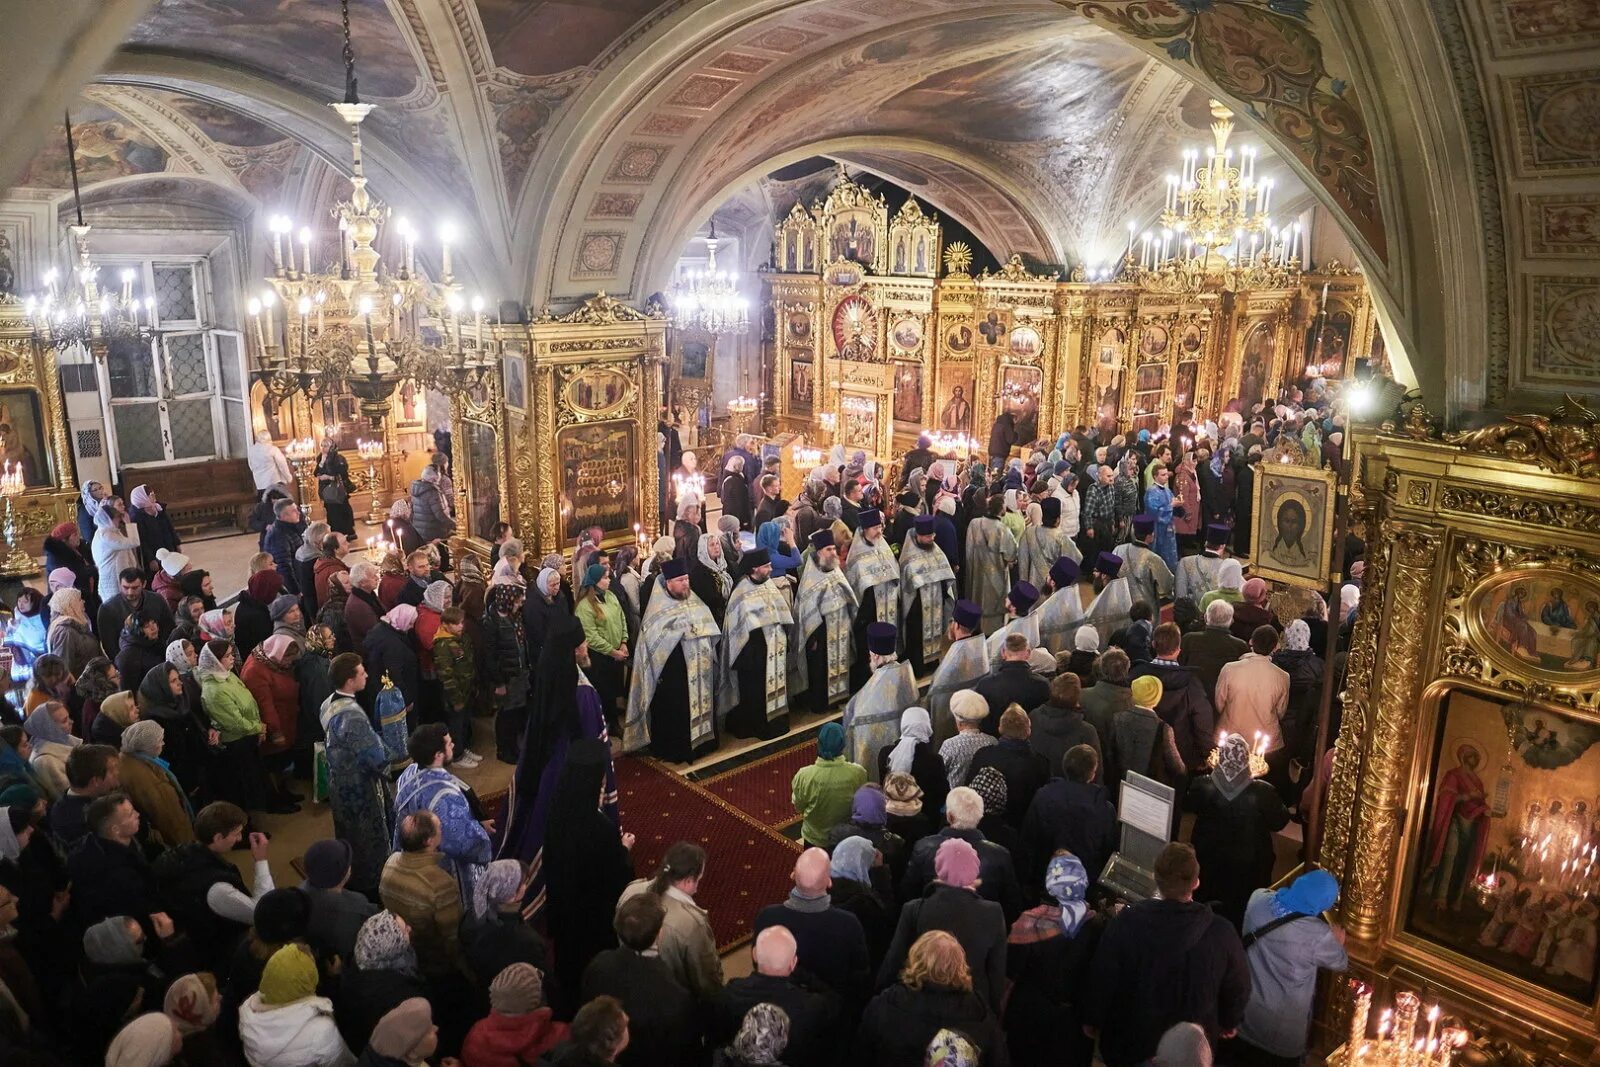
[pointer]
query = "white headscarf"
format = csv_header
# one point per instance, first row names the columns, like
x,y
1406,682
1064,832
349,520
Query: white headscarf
x,y
915,727
542,583
1230,575
1349,600
1297,636
1087,639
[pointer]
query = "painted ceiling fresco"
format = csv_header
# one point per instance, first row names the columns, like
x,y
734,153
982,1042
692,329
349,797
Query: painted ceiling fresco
x,y
539,37
109,145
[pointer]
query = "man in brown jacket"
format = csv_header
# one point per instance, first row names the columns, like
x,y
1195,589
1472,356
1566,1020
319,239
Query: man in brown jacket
x,y
424,894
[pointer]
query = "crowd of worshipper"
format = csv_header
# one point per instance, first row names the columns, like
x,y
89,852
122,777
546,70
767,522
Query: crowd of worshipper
x,y
946,906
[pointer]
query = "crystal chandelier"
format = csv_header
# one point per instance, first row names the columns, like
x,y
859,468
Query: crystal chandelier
x,y
73,311
1214,230
352,324
709,300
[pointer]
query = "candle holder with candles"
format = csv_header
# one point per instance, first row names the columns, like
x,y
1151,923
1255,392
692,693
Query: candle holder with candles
x,y
1258,754
1397,1043
371,453
300,453
742,411
12,484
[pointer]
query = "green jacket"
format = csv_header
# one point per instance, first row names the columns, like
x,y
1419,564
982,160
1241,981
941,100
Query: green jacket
x,y
452,659
823,793
607,633
230,707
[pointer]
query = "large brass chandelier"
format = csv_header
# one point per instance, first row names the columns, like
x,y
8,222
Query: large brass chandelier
x,y
74,311
709,300
1215,229
352,324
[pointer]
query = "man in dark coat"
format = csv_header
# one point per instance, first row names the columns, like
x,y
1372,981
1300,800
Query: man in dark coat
x,y
813,1010
1071,812
771,504
1165,960
919,458
735,492
850,504
1184,705
1013,682
108,870
830,941
336,912
1058,724
1207,651
283,539
1024,770
998,873
132,597
663,1024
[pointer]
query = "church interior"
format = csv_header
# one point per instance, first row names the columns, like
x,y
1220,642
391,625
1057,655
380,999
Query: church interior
x,y
604,310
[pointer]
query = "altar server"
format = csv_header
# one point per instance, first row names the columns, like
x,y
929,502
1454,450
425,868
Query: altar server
x,y
672,705
1042,545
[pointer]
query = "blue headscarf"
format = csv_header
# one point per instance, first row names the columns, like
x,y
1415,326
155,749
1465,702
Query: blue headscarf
x,y
1313,893
852,859
1067,881
830,742
768,537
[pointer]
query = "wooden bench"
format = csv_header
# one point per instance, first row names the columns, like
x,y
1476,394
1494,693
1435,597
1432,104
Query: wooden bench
x,y
200,496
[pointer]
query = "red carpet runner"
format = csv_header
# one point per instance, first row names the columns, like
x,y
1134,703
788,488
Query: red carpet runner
x,y
762,789
749,862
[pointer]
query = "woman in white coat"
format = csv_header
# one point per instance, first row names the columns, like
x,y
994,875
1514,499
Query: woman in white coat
x,y
115,546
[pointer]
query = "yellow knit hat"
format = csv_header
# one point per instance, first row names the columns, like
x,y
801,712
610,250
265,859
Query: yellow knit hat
x,y
1146,691
291,974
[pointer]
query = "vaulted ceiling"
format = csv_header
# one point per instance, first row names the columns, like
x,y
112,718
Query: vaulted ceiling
x,y
580,143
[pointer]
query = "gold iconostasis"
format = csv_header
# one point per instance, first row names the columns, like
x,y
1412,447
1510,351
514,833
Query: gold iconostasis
x,y
864,329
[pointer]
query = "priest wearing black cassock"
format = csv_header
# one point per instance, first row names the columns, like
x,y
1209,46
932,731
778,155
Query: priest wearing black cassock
x,y
874,575
755,675
824,607
672,704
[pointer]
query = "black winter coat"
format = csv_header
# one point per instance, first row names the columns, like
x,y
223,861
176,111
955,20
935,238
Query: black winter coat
x,y
388,651
1185,707
1233,841
1043,1020
1057,729
1162,962
252,624
155,532
927,767
813,1012
664,1025
1076,816
1011,683
1207,652
997,872
900,1023
977,923
1024,770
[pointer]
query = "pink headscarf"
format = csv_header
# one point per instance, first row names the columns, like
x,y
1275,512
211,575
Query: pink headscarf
x,y
956,863
140,498
61,578
402,617
1255,591
277,646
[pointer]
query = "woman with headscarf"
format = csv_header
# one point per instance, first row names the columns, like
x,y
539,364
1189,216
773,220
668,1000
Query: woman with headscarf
x,y
761,1041
197,583
563,708
233,713
50,680
98,681
118,711
49,730
398,530
1301,662
1254,609
269,676
90,495
334,487
916,754
493,933
382,976
1230,587
184,655
115,546
1288,942
505,647
66,548
163,701
140,646
69,636
544,607
285,1023
709,578
193,1003
1048,954
627,586
155,791
470,593
586,866
1186,487
154,525
1128,495
392,580
26,636
1236,815
252,614
862,886
151,1040
776,537
391,650
605,630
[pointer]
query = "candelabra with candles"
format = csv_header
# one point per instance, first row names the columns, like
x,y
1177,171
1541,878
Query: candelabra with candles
x,y
12,484
808,459
709,300
742,411
378,547
371,453
828,422
301,453
1258,754
1397,1043
952,445
356,325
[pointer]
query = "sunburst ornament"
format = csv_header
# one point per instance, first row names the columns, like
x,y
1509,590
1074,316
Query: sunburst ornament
x,y
957,257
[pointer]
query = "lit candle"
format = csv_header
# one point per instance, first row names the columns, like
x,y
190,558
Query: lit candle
x,y
344,248
1362,1006
477,310
254,308
1433,1022
365,308
447,236
1131,228
304,307
269,300
279,226
305,247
